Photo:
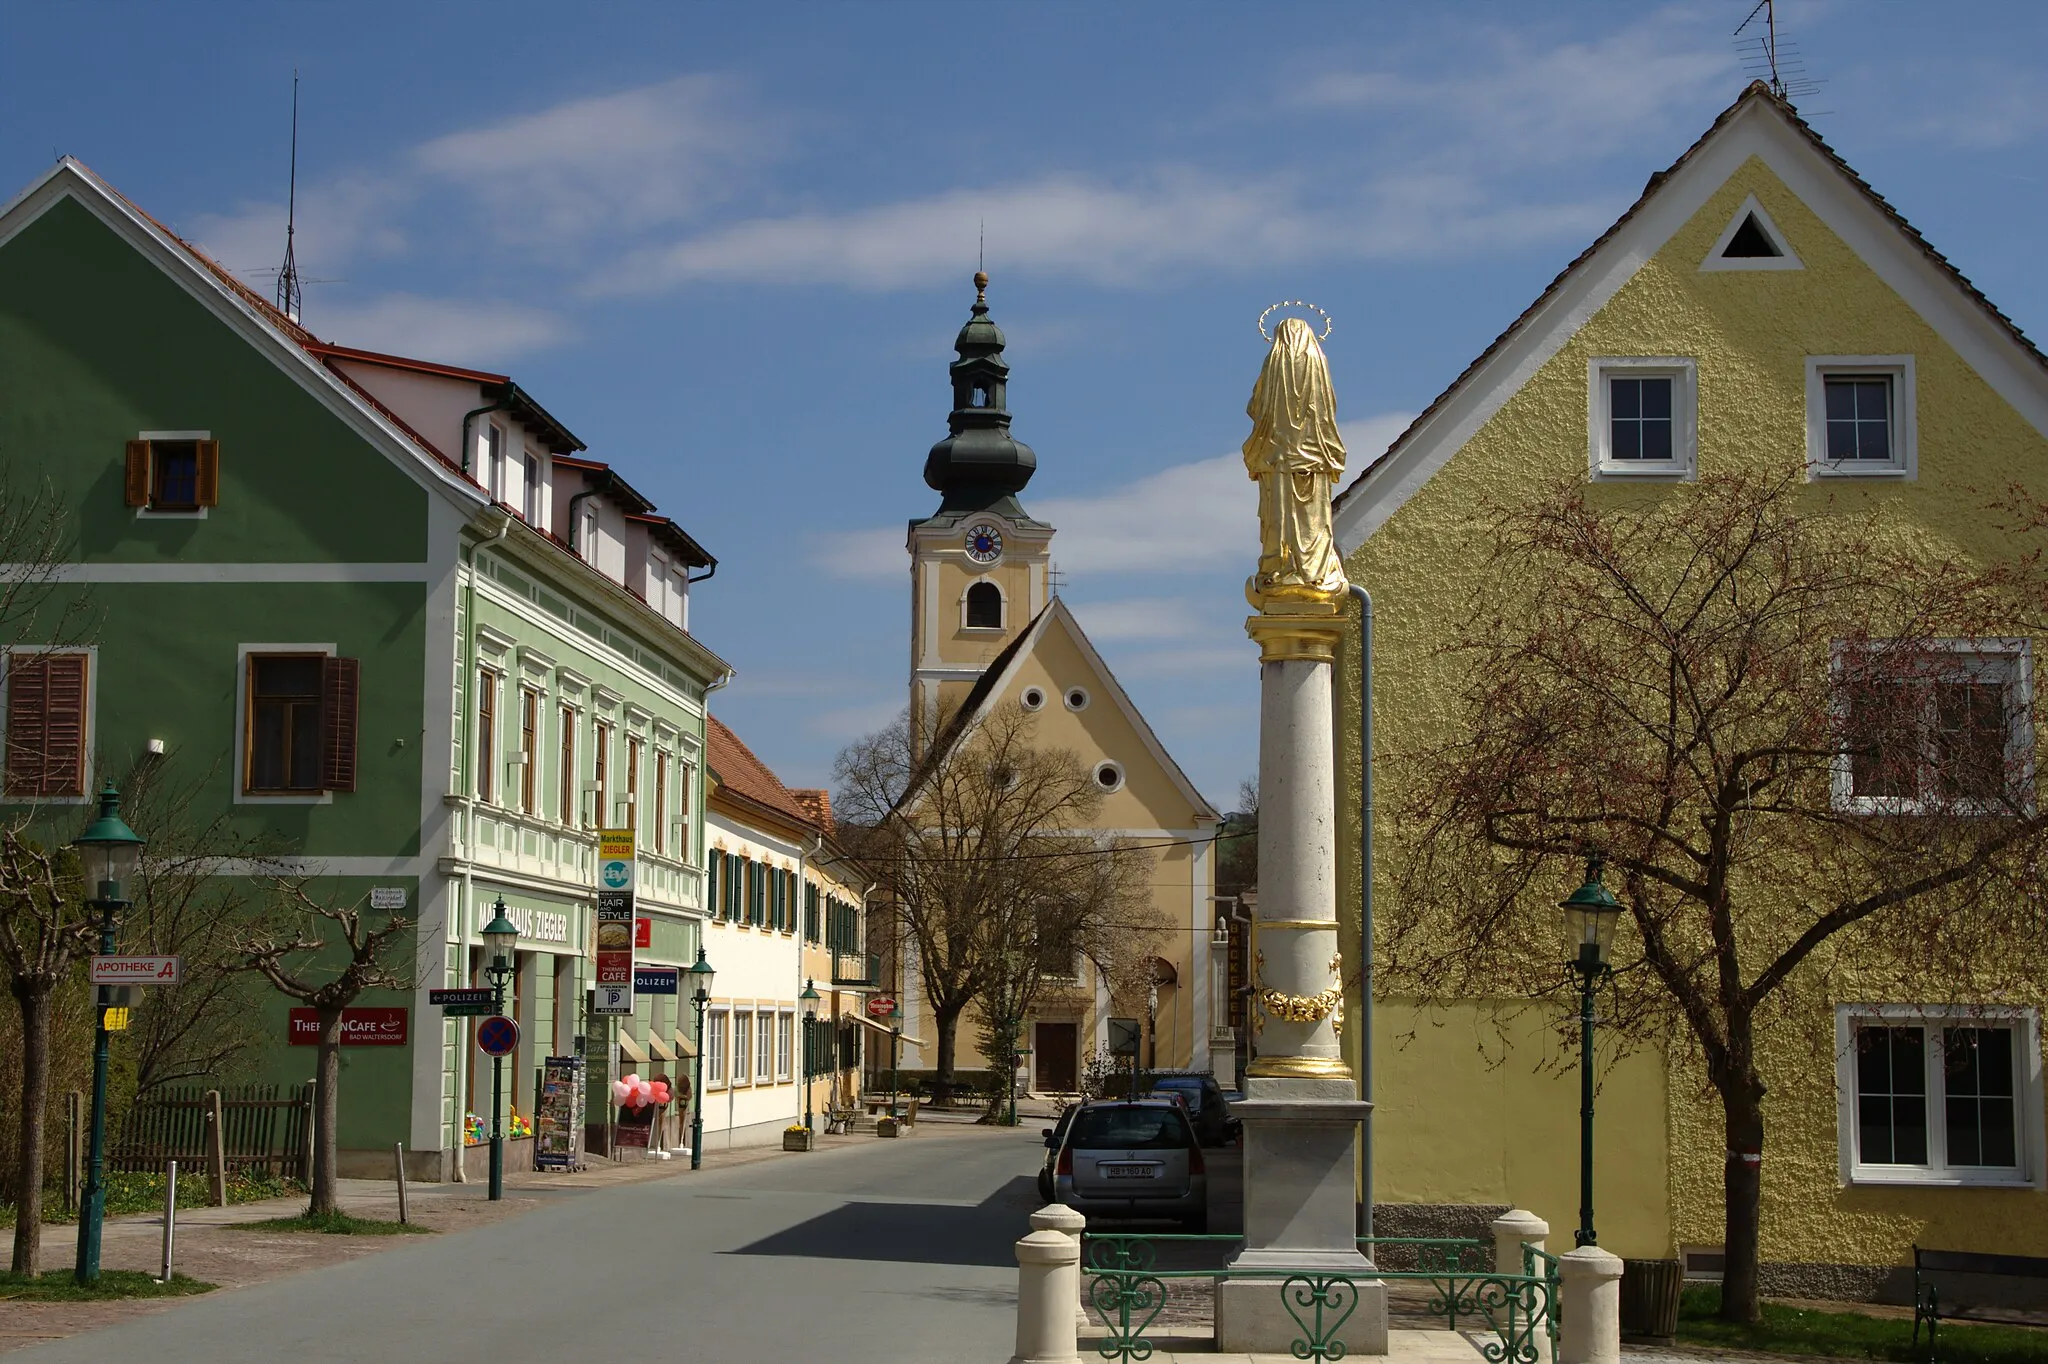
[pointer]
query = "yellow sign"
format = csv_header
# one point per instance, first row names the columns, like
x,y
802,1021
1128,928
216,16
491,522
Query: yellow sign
x,y
613,843
116,1020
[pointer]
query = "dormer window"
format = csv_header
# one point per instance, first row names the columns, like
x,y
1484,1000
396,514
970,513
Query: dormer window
x,y
494,462
530,507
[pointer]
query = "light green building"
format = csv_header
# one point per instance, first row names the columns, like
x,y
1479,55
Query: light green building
x,y
415,637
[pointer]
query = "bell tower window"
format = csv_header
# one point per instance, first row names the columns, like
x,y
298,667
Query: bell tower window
x,y
984,607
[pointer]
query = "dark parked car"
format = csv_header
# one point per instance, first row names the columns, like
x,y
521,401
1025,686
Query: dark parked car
x,y
1207,1108
1134,1158
1054,1135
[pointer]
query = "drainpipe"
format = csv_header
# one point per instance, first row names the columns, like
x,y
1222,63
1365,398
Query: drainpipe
x,y
1365,889
502,405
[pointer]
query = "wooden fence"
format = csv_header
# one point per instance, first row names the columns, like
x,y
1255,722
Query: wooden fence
x,y
261,1131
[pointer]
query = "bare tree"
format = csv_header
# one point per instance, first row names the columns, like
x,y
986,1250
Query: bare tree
x,y
291,952
981,841
1760,709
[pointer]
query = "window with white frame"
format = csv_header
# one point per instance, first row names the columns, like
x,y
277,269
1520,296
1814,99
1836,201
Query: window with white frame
x,y
742,1047
530,500
785,1045
1934,1094
715,1024
1861,416
494,461
1936,726
1642,417
764,1047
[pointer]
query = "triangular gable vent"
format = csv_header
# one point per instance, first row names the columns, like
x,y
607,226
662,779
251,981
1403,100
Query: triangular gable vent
x,y
1751,241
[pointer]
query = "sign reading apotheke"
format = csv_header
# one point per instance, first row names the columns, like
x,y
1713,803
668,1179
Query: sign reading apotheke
x,y
615,876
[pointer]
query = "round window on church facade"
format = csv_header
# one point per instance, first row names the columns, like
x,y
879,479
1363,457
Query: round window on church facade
x,y
1109,776
1077,699
1032,699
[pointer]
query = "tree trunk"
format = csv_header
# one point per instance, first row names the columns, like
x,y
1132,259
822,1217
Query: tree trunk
x,y
326,1087
946,1019
1742,1186
34,998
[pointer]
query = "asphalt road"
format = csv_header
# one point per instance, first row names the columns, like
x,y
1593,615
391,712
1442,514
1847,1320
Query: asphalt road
x,y
890,1251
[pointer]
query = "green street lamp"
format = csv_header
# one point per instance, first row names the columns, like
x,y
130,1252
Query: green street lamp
x,y
109,855
701,976
809,999
501,937
1590,914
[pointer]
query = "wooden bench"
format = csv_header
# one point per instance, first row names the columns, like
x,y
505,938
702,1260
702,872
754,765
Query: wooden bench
x,y
1931,1268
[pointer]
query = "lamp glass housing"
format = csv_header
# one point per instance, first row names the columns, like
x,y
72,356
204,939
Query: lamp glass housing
x,y
500,935
701,976
108,850
1590,914
810,998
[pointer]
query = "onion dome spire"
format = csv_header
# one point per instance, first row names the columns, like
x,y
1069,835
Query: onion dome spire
x,y
979,466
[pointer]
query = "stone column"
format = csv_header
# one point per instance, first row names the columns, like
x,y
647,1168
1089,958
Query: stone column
x,y
1060,1218
1511,1231
1589,1318
1045,1316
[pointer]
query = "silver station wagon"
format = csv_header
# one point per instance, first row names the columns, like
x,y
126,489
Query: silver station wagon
x,y
1134,1158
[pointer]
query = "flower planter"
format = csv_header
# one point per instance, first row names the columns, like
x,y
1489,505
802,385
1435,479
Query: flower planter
x,y
797,1141
885,1127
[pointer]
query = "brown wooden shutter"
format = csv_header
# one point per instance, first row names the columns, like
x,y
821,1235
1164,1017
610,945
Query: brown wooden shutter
x,y
339,684
46,724
138,473
208,484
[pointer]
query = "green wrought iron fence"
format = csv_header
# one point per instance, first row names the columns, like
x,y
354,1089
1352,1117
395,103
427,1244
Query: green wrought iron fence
x,y
1127,1289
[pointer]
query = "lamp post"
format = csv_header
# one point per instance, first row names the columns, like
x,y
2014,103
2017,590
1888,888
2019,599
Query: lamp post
x,y
895,1037
1590,913
500,935
109,854
701,976
810,999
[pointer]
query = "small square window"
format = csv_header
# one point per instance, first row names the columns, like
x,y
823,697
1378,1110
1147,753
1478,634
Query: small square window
x,y
1641,418
1860,416
174,475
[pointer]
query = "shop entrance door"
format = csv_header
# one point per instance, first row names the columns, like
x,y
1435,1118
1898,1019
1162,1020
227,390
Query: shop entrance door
x,y
1056,1049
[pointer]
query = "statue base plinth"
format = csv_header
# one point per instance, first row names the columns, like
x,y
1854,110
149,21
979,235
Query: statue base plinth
x,y
1300,1201
1297,631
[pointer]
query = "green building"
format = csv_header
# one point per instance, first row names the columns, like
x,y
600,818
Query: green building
x,y
412,637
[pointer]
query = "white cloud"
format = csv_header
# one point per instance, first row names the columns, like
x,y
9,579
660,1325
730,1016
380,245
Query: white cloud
x,y
627,160
455,331
1138,618
338,221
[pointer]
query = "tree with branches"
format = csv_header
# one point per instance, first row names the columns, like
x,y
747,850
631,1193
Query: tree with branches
x,y
983,843
291,951
1792,731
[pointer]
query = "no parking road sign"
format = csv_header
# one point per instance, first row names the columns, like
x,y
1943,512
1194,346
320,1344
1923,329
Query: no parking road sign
x,y
497,1036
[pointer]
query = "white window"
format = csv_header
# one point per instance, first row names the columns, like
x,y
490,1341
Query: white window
x,y
1938,1094
1642,417
785,1044
1861,420
742,1050
530,504
1945,726
714,1048
494,462
764,1048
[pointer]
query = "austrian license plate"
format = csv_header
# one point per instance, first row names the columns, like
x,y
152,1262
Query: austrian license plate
x,y
1130,1172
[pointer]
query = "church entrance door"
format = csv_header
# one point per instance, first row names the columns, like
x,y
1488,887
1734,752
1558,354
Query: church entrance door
x,y
1055,1047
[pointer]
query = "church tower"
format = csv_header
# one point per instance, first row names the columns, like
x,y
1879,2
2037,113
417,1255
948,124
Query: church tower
x,y
977,564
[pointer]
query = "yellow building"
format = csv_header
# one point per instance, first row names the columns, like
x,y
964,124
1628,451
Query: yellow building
x,y
1755,283
987,630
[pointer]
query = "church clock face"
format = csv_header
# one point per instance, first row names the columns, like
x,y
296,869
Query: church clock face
x,y
984,543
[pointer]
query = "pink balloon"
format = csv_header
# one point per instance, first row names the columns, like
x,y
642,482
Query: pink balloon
x,y
660,1092
620,1089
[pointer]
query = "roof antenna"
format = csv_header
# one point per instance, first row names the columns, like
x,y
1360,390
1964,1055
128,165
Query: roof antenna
x,y
288,301
1774,57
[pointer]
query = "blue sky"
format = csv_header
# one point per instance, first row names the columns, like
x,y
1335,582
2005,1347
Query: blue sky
x,y
730,245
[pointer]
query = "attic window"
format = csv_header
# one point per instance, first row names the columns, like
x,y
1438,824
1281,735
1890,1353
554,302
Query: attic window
x,y
1751,241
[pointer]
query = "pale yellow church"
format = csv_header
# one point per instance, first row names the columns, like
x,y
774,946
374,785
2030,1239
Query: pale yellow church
x,y
987,627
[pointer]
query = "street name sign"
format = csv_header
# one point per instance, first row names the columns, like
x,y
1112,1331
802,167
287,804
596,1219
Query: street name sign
x,y
497,1036
464,1003
387,897
137,970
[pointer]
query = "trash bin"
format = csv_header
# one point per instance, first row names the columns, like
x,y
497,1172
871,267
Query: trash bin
x,y
1649,1301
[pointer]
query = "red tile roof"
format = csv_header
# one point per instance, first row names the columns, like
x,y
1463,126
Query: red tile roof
x,y
744,775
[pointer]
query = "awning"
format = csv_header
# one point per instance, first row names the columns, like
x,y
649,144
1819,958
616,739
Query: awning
x,y
631,1050
883,1029
661,1049
684,1046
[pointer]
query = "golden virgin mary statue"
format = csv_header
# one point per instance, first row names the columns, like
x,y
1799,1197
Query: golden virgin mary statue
x,y
1296,456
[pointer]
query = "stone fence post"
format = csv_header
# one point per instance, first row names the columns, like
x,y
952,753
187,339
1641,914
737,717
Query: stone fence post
x,y
1048,1261
1060,1218
1590,1329
1511,1230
